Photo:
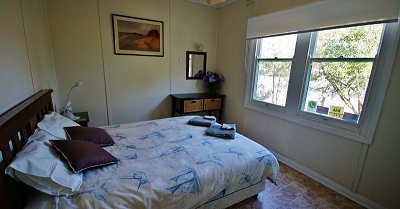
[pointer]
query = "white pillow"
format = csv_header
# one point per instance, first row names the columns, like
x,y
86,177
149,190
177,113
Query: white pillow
x,y
40,167
54,124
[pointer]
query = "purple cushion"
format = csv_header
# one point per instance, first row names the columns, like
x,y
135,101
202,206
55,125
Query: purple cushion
x,y
82,155
96,135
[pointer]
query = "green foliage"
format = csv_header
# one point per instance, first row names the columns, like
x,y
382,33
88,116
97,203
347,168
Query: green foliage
x,y
348,80
279,72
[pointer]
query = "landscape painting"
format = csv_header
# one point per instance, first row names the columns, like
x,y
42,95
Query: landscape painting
x,y
137,36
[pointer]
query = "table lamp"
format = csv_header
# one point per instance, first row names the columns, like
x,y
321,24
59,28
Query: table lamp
x,y
68,104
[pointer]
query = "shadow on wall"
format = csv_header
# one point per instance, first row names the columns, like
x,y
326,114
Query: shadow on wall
x,y
160,111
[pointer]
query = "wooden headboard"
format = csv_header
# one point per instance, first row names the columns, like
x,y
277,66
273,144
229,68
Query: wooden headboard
x,y
16,125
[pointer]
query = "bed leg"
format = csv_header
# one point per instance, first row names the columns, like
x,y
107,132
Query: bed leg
x,y
255,196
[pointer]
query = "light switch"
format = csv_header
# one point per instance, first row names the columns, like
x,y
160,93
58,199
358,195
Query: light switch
x,y
180,60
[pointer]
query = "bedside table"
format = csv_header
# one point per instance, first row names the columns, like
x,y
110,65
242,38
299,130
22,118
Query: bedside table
x,y
83,118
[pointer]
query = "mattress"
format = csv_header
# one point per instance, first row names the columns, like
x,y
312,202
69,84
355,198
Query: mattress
x,y
167,163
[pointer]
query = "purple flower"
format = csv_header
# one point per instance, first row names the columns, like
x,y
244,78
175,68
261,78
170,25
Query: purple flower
x,y
213,80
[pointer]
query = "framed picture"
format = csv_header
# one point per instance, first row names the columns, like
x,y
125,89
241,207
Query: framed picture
x,y
138,36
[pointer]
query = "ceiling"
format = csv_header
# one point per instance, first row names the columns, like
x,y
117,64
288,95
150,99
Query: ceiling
x,y
217,4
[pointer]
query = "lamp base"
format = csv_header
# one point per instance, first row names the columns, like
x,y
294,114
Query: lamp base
x,y
68,111
70,115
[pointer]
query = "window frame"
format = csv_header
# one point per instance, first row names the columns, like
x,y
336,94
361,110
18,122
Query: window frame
x,y
364,130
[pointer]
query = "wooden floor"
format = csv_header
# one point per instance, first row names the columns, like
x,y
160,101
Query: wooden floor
x,y
295,190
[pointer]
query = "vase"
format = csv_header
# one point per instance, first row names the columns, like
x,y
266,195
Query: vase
x,y
212,90
213,87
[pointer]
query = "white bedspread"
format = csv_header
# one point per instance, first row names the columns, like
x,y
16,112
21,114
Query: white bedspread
x,y
167,163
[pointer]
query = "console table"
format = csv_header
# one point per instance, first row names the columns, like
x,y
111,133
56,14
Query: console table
x,y
197,102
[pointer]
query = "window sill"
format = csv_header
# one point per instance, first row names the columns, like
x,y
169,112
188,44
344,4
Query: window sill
x,y
312,123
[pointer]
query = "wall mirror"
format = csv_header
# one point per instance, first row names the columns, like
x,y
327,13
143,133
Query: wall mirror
x,y
196,63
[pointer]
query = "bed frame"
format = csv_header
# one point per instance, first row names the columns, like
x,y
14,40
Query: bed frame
x,y
16,125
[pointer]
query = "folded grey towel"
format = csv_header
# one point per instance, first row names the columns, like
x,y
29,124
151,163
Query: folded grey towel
x,y
200,121
216,130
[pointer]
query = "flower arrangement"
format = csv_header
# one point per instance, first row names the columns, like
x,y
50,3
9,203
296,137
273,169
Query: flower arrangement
x,y
213,80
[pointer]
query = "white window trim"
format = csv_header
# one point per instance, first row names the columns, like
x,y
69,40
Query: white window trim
x,y
364,131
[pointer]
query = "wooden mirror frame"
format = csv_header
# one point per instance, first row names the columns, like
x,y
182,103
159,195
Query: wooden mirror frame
x,y
188,53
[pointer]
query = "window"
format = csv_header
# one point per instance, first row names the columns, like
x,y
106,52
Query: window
x,y
340,66
273,69
329,79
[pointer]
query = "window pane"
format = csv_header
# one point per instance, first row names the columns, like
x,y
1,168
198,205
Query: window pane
x,y
272,80
351,42
279,46
337,89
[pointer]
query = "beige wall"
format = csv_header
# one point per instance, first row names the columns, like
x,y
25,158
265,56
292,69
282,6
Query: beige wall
x,y
138,86
191,24
39,47
26,64
326,154
268,6
231,50
124,88
75,34
380,177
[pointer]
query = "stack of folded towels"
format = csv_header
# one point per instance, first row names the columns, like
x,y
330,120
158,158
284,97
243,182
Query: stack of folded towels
x,y
215,129
223,131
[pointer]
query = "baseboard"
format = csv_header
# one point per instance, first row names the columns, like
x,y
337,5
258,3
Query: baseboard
x,y
329,183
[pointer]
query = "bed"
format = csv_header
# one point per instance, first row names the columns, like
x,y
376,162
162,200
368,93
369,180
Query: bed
x,y
163,163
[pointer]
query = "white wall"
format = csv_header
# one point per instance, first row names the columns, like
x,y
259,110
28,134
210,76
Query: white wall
x,y
336,158
125,88
26,64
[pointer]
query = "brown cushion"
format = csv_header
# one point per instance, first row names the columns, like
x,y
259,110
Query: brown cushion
x,y
82,155
96,135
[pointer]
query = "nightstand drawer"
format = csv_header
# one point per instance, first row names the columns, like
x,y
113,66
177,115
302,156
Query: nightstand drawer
x,y
212,104
193,105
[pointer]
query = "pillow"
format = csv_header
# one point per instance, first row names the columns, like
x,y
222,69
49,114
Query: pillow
x,y
54,124
82,155
96,135
40,167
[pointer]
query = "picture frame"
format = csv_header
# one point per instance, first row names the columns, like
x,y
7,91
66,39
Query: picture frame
x,y
138,36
